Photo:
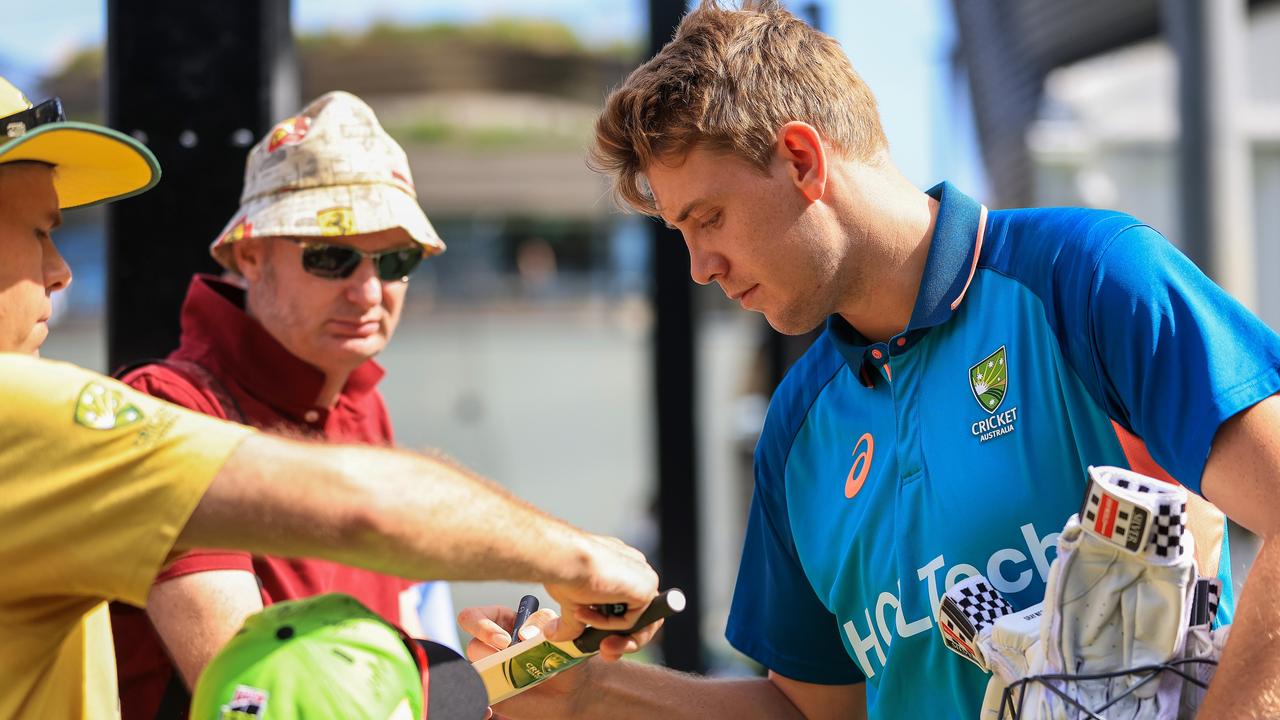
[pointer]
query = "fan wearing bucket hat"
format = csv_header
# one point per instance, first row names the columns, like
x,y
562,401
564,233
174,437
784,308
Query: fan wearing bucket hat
x,y
328,231
331,657
102,484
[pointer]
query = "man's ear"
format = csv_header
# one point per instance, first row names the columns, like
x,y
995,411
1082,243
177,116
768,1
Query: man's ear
x,y
800,150
250,255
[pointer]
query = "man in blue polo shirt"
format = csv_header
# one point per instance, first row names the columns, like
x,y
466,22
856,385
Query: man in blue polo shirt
x,y
893,466
974,365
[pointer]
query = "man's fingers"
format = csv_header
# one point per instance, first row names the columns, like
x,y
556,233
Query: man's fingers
x,y
500,614
488,623
567,628
478,649
540,622
646,633
613,648
595,618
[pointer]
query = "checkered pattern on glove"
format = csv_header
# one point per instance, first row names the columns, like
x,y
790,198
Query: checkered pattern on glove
x,y
1137,513
1166,531
966,613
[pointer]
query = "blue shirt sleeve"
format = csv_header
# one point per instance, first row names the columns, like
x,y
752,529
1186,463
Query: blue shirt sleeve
x,y
776,618
1168,354
1177,355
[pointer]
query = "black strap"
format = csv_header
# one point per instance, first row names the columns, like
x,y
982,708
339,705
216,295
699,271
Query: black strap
x,y
176,703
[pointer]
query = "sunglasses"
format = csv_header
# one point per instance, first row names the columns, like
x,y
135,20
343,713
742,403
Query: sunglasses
x,y
336,262
20,123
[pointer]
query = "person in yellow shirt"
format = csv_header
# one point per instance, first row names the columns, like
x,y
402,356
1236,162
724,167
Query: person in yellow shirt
x,y
100,484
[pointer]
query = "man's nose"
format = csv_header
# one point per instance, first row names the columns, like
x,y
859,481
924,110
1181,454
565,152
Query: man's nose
x,y
363,288
57,274
705,266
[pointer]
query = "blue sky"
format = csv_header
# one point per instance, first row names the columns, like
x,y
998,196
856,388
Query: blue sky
x,y
900,48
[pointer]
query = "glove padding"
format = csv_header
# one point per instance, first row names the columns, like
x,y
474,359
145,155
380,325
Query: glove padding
x,y
1203,642
1119,597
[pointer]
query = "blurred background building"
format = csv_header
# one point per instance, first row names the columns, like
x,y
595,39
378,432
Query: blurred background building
x,y
526,350
1166,109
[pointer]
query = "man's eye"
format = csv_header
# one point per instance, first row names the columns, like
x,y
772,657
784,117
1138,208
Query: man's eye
x,y
711,221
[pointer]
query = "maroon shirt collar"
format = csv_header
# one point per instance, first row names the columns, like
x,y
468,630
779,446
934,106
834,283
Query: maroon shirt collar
x,y
217,331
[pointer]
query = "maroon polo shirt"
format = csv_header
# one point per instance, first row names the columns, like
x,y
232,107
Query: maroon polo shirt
x,y
275,391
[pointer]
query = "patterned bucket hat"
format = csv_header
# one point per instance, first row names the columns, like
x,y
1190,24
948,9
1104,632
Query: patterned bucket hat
x,y
331,170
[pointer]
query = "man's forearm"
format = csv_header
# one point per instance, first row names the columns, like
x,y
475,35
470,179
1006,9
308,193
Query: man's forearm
x,y
634,691
1247,683
389,511
1242,476
196,614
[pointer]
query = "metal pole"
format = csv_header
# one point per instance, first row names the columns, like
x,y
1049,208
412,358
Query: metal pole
x,y
194,81
1215,188
675,384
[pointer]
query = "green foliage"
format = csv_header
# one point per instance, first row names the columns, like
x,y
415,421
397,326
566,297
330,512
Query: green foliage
x,y
437,131
86,62
540,35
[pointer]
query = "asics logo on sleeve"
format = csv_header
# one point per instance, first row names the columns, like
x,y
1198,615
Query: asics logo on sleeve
x,y
862,453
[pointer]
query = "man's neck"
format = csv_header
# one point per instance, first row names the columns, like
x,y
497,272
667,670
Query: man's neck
x,y
898,232
332,388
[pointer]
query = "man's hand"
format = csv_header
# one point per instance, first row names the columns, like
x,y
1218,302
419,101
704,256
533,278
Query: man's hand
x,y
613,572
490,627
599,690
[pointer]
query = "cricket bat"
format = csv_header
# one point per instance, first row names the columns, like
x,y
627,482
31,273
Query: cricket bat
x,y
527,663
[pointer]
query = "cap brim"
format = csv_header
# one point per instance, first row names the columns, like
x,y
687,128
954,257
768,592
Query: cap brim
x,y
454,688
94,164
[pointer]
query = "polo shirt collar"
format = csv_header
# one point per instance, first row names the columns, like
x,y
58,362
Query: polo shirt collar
x,y
953,256
216,327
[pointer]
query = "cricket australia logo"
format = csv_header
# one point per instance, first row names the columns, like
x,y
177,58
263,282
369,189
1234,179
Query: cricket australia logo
x,y
989,382
101,408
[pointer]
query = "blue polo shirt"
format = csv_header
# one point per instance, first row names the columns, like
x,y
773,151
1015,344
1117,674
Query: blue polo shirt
x,y
887,472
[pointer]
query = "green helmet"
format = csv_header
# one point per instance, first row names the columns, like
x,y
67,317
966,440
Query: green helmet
x,y
322,657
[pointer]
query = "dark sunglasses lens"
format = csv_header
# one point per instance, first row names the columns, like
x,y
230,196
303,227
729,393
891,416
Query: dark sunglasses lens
x,y
330,261
25,121
49,111
398,264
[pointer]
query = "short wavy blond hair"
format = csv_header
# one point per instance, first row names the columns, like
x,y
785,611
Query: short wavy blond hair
x,y
728,81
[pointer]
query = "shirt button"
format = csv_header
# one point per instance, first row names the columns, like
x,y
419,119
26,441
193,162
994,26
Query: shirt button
x,y
311,416
902,341
877,354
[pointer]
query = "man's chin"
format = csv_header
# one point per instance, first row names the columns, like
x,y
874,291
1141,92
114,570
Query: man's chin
x,y
35,340
358,349
792,325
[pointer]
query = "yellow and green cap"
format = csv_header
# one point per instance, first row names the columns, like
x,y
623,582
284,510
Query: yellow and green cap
x,y
95,164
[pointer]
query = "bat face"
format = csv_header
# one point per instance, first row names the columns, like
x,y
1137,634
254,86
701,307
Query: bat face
x,y
525,664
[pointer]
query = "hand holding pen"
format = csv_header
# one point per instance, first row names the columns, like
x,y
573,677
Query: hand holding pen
x,y
528,605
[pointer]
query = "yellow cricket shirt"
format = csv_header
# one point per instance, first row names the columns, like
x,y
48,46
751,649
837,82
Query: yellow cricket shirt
x,y
96,482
